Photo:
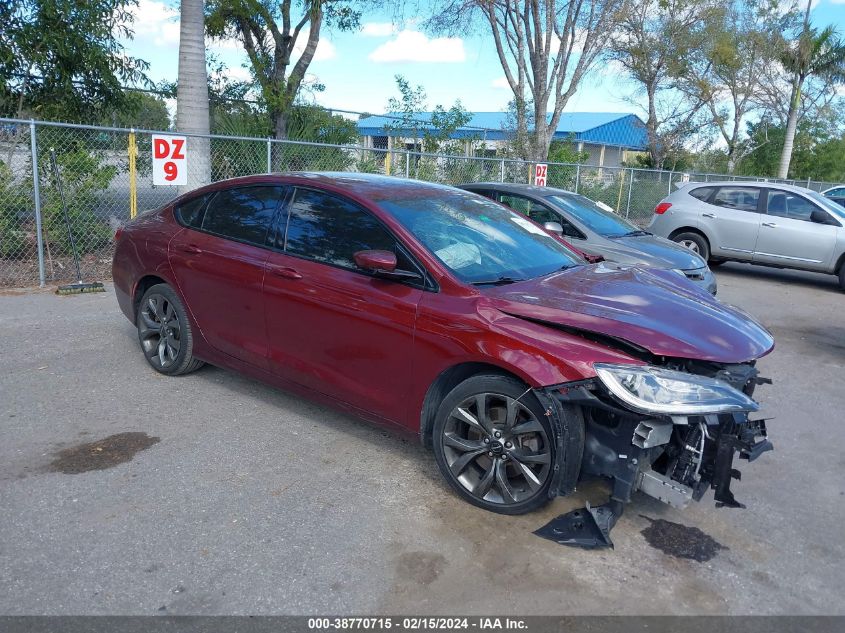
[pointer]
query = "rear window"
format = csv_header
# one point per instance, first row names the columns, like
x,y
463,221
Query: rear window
x,y
739,198
701,193
243,214
190,213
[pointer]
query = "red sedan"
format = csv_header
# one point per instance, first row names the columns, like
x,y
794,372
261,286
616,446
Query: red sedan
x,y
437,311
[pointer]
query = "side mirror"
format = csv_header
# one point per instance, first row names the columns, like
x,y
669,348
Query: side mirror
x,y
375,261
593,259
819,217
553,227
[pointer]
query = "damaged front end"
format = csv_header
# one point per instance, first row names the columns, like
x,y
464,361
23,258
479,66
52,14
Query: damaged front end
x,y
671,431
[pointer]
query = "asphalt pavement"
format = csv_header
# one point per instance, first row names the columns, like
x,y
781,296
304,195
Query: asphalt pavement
x,y
216,494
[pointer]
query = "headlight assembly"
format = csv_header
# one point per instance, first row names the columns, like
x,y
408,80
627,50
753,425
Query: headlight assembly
x,y
648,389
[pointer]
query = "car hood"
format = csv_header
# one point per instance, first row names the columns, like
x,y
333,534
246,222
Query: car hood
x,y
647,250
658,310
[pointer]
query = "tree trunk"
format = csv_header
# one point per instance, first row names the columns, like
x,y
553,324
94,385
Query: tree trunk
x,y
791,126
280,125
192,92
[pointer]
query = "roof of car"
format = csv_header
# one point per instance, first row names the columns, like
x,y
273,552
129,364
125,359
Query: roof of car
x,y
534,190
744,183
371,186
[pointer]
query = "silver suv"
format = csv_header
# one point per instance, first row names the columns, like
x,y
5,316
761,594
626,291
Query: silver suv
x,y
760,223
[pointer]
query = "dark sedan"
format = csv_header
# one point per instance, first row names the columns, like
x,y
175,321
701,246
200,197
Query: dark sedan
x,y
597,231
435,311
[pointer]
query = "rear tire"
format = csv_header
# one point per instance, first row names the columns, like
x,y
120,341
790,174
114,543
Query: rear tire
x,y
842,276
164,332
494,445
695,242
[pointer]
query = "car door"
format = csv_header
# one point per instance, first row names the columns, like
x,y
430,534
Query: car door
x,y
218,261
332,327
730,218
788,235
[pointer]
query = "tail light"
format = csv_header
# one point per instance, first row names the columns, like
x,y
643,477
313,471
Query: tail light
x,y
662,208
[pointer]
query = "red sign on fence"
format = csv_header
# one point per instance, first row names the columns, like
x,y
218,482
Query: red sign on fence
x,y
169,160
540,174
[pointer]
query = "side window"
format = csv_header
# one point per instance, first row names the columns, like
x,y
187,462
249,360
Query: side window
x,y
242,214
784,204
839,191
190,213
330,229
740,198
517,203
702,193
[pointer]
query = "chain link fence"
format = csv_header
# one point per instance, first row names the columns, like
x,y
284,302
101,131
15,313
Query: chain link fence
x,y
97,179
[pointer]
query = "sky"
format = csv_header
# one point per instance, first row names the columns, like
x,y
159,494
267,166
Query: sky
x,y
358,68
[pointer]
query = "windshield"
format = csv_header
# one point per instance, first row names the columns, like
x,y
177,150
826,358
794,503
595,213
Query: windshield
x,y
481,241
834,207
605,223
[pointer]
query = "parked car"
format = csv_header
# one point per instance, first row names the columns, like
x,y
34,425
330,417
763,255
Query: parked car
x,y
596,230
837,194
760,223
435,311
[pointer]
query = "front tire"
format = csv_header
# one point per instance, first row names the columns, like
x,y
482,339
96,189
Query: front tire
x,y
842,276
164,332
494,445
695,242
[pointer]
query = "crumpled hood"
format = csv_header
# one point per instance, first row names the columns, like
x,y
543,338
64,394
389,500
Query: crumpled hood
x,y
649,250
658,310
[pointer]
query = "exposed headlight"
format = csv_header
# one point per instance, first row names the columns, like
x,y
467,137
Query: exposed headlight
x,y
648,389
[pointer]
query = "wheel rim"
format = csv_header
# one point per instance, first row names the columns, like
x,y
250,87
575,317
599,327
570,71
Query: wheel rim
x,y
160,331
496,449
690,245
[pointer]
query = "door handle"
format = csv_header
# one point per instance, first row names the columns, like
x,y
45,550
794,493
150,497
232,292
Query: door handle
x,y
708,215
190,248
771,225
284,272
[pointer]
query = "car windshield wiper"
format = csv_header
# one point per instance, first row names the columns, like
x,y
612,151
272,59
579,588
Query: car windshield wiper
x,y
500,281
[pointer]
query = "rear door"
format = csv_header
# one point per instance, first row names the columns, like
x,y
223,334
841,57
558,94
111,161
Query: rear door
x,y
730,217
789,237
218,262
332,327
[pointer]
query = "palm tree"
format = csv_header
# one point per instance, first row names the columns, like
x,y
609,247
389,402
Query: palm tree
x,y
815,54
192,92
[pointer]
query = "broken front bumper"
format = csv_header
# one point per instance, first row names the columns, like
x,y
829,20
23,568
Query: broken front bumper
x,y
675,459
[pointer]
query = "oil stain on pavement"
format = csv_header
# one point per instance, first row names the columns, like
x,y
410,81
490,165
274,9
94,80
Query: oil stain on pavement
x,y
105,453
680,541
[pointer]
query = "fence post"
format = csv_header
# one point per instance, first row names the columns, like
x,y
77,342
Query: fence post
x,y
671,173
269,156
407,164
630,186
133,175
502,171
577,175
36,189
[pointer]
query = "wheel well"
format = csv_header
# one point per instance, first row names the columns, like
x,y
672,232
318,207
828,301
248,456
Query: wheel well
x,y
688,229
839,264
445,382
143,285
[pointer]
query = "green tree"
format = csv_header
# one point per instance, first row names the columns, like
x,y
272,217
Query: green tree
x,y
545,47
434,134
272,34
814,53
655,43
141,110
64,60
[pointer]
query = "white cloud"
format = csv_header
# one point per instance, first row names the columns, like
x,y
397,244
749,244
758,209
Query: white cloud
x,y
413,46
501,82
156,21
381,29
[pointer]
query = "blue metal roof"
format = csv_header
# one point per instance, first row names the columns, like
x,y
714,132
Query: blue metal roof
x,y
619,129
